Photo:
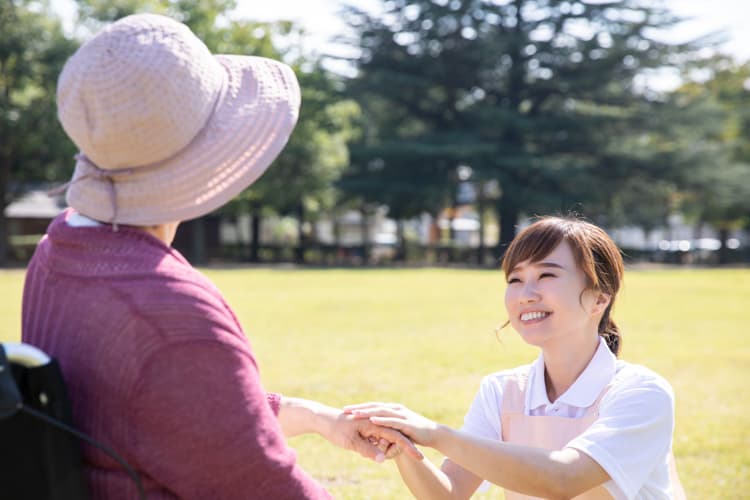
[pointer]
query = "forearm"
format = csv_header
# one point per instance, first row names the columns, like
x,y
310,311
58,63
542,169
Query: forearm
x,y
423,478
302,416
527,470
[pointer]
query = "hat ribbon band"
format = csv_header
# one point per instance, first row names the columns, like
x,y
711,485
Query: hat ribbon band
x,y
96,172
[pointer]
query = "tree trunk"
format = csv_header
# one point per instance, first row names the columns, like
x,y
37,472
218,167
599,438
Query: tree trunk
x,y
508,215
480,210
4,236
338,255
255,222
365,237
198,241
451,230
724,249
401,241
299,252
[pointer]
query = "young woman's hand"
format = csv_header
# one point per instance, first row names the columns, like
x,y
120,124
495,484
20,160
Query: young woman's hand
x,y
418,428
368,439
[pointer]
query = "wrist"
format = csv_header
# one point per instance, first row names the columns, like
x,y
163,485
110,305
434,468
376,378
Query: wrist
x,y
302,416
323,420
440,436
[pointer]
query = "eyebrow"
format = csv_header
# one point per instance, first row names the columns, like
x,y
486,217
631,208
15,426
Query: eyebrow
x,y
544,264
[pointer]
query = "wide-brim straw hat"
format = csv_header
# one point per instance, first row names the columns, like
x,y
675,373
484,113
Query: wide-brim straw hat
x,y
166,130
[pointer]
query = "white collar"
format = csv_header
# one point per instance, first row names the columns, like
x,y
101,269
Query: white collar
x,y
586,388
79,220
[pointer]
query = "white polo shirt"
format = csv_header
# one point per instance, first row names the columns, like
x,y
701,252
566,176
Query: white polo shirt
x,y
632,437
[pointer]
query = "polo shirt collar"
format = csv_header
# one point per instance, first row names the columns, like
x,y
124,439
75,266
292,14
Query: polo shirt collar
x,y
587,387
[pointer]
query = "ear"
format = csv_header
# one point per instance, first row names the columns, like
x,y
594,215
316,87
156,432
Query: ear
x,y
602,301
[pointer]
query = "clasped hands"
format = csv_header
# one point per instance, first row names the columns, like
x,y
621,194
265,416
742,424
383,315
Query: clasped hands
x,y
374,430
389,428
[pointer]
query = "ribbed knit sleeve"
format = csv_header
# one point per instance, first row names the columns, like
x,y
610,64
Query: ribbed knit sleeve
x,y
202,425
274,401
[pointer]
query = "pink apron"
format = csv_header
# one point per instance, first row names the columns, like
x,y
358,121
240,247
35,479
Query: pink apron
x,y
553,433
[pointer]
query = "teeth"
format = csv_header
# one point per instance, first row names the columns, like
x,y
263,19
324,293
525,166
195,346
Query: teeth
x,y
533,315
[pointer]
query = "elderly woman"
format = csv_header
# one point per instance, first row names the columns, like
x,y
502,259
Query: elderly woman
x,y
155,360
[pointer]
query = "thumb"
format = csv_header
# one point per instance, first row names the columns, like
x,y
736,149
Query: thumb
x,y
367,449
399,439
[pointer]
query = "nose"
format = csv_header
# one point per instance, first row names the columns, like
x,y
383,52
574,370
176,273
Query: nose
x,y
529,293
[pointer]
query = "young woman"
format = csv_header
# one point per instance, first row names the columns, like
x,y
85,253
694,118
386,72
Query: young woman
x,y
577,422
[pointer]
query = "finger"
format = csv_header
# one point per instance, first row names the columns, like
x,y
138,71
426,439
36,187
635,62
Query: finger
x,y
383,445
392,451
372,404
369,449
403,442
397,423
377,412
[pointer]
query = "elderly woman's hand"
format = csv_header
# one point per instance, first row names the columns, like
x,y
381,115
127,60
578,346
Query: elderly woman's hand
x,y
416,427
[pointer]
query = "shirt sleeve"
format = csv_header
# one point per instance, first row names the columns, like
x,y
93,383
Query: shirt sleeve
x,y
483,417
633,434
205,427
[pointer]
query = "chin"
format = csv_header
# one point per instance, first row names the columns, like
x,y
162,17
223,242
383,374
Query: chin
x,y
536,339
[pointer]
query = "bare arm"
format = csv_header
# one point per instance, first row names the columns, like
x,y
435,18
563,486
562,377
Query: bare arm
x,y
532,471
562,473
426,481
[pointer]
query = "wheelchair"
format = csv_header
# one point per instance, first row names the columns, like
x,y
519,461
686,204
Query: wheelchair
x,y
41,455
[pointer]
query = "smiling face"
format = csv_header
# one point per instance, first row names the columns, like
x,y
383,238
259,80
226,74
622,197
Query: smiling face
x,y
548,300
563,274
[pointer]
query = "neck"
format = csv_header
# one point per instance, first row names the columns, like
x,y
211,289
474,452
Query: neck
x,y
562,366
164,232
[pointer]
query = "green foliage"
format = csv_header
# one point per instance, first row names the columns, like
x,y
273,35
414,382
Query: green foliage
x,y
32,53
718,191
317,152
33,146
539,95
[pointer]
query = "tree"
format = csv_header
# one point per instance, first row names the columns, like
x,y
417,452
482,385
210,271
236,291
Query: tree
x,y
717,190
535,94
301,179
34,147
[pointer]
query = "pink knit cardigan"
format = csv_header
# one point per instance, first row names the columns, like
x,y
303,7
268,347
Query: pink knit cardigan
x,y
158,368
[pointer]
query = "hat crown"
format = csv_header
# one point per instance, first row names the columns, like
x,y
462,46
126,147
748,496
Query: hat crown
x,y
138,92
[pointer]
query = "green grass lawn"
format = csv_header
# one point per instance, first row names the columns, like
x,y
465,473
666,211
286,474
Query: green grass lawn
x,y
426,337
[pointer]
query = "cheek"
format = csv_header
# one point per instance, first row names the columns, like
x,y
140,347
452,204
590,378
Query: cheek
x,y
509,298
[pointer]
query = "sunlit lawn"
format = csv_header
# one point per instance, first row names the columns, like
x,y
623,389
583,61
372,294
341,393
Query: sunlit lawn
x,y
426,337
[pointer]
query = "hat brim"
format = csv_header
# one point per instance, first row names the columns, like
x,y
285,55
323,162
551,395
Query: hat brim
x,y
251,122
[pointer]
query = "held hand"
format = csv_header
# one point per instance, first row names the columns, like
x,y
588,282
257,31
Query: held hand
x,y
370,440
419,429
299,416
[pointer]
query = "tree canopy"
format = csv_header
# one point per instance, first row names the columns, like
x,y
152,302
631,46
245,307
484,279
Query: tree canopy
x,y
539,95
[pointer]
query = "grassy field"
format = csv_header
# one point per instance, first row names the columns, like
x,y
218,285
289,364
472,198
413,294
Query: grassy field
x,y
426,337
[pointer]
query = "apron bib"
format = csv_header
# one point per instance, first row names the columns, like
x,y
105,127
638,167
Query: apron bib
x,y
553,433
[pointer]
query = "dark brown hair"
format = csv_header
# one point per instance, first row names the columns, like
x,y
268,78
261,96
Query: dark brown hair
x,y
595,254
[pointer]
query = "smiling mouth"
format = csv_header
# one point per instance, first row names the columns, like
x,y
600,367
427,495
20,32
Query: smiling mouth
x,y
534,316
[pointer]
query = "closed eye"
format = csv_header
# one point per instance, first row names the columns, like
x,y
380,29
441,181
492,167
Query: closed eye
x,y
513,280
547,275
